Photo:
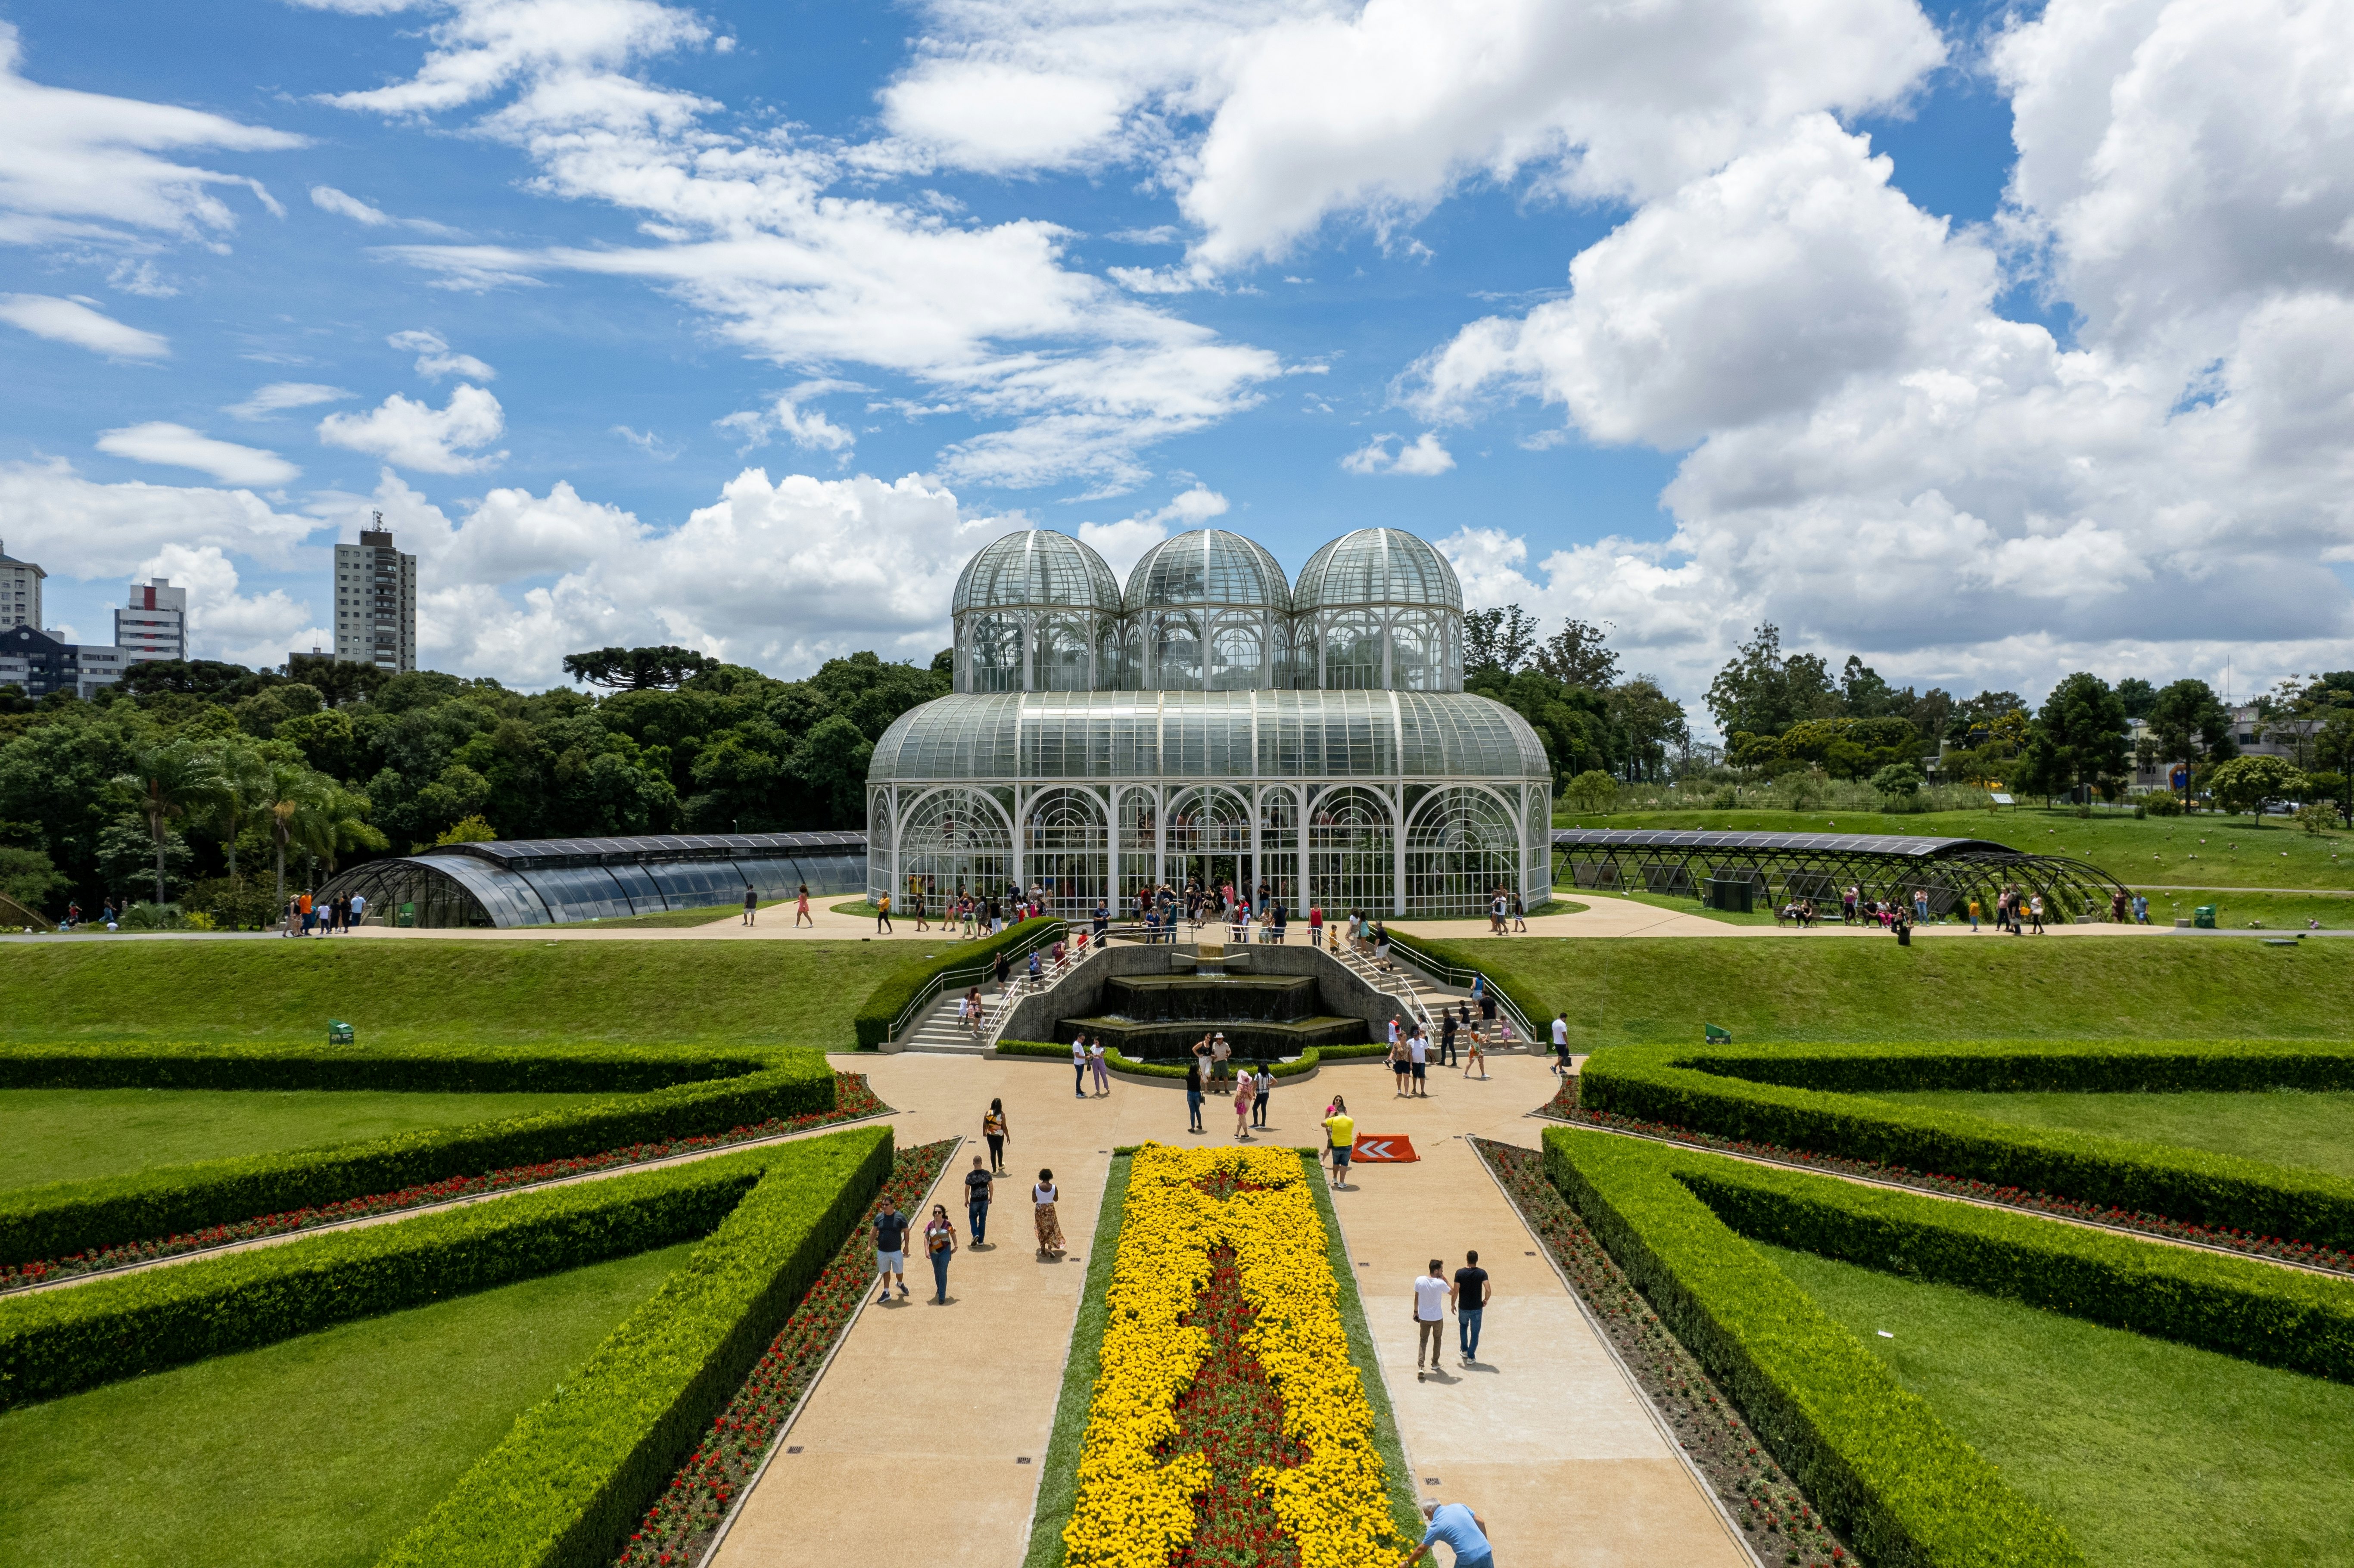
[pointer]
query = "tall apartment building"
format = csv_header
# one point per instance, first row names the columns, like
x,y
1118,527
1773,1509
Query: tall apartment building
x,y
20,592
376,602
154,625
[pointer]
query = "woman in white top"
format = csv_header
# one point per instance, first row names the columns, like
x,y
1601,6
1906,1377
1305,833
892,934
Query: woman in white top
x,y
1050,1229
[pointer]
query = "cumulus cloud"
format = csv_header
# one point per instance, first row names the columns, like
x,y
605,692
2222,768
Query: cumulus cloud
x,y
81,527
244,629
71,321
1422,457
280,396
419,436
435,358
177,446
87,167
1122,544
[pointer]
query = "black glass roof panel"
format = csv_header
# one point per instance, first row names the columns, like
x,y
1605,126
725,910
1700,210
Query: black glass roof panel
x,y
1847,843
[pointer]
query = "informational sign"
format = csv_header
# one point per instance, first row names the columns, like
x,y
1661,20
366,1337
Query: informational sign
x,y
2179,778
1999,799
1392,1149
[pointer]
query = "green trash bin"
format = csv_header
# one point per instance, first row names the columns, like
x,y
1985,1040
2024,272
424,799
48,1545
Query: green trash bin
x,y
338,1031
407,916
2204,916
1718,1036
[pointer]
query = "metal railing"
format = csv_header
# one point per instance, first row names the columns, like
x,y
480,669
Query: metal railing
x,y
1045,935
1457,974
1020,987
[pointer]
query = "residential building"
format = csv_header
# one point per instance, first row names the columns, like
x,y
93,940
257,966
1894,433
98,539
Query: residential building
x,y
41,663
2253,734
376,602
20,592
154,625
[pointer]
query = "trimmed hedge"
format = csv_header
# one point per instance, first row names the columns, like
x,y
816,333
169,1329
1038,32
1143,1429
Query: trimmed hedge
x,y
1117,1062
578,1469
1693,1088
2257,1311
442,1069
900,987
1884,1471
56,1341
61,1219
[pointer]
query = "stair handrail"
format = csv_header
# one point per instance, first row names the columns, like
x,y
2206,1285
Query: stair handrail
x,y
932,988
1394,986
1460,975
1021,987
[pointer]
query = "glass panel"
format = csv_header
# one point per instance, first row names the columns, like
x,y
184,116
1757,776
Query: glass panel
x,y
576,893
1350,852
1064,664
955,840
1462,851
1238,657
503,896
1353,652
1414,661
698,884
1063,851
1176,653
996,644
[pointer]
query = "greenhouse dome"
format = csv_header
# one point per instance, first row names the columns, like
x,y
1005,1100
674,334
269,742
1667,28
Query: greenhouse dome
x,y
1208,611
1036,610
1378,609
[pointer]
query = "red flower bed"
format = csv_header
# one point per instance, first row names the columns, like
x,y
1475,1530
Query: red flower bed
x,y
851,1100
1563,1106
678,1528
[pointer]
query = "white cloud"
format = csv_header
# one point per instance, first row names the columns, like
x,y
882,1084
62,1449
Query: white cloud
x,y
179,447
419,436
257,629
82,528
280,396
435,358
327,198
84,166
648,442
1422,457
805,427
68,321
141,277
1123,543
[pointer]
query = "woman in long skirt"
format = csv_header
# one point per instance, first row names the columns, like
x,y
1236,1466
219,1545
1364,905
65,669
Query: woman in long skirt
x,y
1050,1229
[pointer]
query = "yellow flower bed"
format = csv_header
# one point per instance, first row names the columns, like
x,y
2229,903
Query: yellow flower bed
x,y
1134,1508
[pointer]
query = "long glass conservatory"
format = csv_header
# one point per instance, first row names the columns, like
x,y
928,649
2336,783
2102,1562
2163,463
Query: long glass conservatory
x,y
559,882
1313,746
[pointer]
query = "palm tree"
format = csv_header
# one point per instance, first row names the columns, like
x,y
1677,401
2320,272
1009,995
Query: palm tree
x,y
177,778
339,823
244,794
293,796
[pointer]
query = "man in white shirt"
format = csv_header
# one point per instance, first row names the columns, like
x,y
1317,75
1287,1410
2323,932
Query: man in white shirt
x,y
1429,1316
1418,1052
1559,1044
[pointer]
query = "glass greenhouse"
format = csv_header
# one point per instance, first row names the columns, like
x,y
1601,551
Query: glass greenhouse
x,y
1212,723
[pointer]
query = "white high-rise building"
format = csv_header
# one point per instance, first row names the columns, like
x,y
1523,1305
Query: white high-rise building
x,y
376,602
154,625
20,592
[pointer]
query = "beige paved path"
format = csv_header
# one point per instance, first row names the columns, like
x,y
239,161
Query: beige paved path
x,y
911,1448
1607,915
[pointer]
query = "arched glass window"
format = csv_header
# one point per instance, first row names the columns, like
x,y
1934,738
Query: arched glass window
x,y
957,841
1351,843
1063,657
1353,652
1063,845
1238,657
997,653
1176,652
1301,672
1462,849
1414,652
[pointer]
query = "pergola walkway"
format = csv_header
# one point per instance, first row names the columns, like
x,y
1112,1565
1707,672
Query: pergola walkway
x,y
912,1447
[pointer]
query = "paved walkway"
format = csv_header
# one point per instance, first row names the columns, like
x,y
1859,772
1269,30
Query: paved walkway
x,y
1607,915
913,1447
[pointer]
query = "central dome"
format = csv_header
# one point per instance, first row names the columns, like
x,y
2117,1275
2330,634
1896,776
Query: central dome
x,y
1208,566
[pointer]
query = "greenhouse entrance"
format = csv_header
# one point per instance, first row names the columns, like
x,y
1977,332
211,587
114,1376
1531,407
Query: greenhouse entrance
x,y
1216,871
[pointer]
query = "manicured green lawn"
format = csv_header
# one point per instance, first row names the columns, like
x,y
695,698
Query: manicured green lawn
x,y
1759,916
2236,850
319,1451
72,1135
1955,987
2238,911
2151,1454
395,991
2283,1126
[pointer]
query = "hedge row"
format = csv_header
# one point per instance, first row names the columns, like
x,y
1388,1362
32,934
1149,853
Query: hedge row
x,y
1119,1063
2030,1066
63,1219
450,1069
1689,1088
578,1469
1885,1472
55,1342
2257,1311
894,991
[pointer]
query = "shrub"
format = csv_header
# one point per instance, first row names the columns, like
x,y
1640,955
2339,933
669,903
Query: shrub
x,y
1813,1098
235,904
472,1069
577,1470
1884,1471
2162,804
63,1219
892,994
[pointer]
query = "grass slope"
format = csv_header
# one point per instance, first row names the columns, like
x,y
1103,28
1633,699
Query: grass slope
x,y
322,1450
1952,988
2237,851
790,994
2236,911
2283,1126
2151,1454
73,1135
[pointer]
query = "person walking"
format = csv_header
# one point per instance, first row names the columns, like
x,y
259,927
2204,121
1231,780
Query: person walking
x,y
1341,1134
1520,915
1246,1091
1464,1532
1050,1229
1263,1087
977,1189
751,903
1417,1052
883,917
359,909
1430,1294
1560,1044
802,915
1399,1067
1099,1064
1315,925
1974,911
891,1250
1194,1093
915,895
994,1129
1447,1029
939,1246
1475,1056
2035,913
1470,1298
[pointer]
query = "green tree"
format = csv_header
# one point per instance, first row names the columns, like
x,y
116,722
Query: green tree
x,y
1650,724
27,877
2136,696
2078,737
1764,690
2248,783
637,669
1578,655
1902,779
2191,727
243,797
1502,639
293,796
175,779
1592,791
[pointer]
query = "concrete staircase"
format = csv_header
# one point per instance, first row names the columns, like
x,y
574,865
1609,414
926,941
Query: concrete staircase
x,y
937,1029
1420,998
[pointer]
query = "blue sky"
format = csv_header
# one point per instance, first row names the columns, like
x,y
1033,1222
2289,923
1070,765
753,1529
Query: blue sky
x,y
2043,390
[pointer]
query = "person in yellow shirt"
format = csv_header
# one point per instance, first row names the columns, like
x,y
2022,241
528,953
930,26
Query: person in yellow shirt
x,y
1341,1129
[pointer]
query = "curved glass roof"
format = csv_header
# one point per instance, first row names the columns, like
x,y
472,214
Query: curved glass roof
x,y
1376,565
1208,566
1844,843
1004,736
1037,568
